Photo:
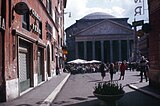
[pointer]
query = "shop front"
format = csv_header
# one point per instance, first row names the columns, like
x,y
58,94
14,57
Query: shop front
x,y
25,63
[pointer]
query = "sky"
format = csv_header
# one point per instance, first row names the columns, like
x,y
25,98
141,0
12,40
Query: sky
x,y
117,8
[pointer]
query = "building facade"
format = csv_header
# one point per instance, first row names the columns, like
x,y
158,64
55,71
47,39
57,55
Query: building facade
x,y
100,36
31,41
143,45
154,43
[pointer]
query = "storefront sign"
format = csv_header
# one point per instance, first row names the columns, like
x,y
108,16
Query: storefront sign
x,y
35,29
139,9
2,22
35,15
36,25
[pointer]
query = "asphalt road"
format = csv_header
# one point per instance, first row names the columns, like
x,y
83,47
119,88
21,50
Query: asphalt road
x,y
78,91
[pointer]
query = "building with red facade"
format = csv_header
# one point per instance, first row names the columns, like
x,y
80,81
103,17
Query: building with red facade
x,y
31,41
154,42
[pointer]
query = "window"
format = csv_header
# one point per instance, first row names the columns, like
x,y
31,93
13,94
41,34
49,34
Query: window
x,y
61,42
25,21
56,18
48,6
40,27
58,40
52,52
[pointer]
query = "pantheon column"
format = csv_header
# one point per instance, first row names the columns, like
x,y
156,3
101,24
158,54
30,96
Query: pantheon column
x,y
120,54
111,51
102,51
76,49
128,49
85,50
93,48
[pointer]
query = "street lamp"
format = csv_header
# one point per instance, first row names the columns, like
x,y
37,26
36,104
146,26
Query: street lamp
x,y
68,13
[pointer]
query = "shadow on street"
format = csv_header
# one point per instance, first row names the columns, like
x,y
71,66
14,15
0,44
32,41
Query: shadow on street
x,y
134,98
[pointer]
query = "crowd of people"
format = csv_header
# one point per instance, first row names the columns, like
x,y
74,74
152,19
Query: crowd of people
x,y
112,68
82,68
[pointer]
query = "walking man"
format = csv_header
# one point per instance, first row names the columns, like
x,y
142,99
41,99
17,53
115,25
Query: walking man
x,y
122,70
111,71
143,64
101,69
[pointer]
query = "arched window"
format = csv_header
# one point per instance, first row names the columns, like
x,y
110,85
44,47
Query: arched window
x,y
25,21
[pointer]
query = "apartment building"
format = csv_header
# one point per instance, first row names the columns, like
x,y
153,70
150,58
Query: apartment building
x,y
31,41
154,42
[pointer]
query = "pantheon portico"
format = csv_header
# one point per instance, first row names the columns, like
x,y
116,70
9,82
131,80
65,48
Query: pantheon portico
x,y
100,36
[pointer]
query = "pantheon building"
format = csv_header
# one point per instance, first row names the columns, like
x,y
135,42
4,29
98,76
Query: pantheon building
x,y
100,36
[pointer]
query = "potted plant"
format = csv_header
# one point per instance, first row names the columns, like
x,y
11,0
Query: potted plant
x,y
109,92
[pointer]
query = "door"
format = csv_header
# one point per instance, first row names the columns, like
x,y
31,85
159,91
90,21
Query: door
x,y
48,62
24,66
40,65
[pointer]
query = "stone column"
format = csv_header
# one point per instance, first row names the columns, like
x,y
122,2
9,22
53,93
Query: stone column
x,y
85,49
93,48
120,54
128,49
102,51
76,49
111,51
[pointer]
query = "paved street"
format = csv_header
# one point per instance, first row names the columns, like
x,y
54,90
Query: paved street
x,y
78,91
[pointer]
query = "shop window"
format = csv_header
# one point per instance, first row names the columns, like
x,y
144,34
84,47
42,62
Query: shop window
x,y
25,21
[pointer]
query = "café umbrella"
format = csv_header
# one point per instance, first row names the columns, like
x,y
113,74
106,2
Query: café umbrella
x,y
94,61
77,61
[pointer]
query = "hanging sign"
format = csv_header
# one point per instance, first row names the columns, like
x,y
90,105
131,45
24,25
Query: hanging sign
x,y
139,9
21,8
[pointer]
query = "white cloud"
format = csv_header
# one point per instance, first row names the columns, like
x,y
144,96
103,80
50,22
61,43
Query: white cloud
x,y
80,8
118,11
77,9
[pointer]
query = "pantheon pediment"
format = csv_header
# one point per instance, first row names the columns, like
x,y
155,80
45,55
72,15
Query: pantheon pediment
x,y
105,27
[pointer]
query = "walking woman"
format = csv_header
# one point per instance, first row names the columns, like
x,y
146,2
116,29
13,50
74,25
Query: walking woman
x,y
101,69
122,70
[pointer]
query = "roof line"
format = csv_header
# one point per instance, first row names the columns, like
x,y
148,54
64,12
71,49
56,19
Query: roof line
x,y
100,23
119,24
89,27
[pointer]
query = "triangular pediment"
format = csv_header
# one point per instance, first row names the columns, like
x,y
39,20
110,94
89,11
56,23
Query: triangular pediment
x,y
106,27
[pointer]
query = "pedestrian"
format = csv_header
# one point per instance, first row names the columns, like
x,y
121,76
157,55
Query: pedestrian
x,y
57,70
122,70
143,66
147,68
111,71
116,66
101,69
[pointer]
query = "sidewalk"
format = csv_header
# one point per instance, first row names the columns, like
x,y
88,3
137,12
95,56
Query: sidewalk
x,y
146,89
45,93
132,81
42,95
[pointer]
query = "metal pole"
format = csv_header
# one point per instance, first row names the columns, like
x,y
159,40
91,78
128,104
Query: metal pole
x,y
135,42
